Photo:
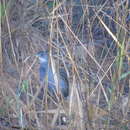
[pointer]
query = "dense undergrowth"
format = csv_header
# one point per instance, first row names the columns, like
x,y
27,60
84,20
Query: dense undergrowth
x,y
90,39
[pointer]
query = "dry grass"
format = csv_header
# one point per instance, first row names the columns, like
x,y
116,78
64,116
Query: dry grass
x,y
89,39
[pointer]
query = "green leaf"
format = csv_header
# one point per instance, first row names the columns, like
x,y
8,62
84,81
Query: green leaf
x,y
2,11
50,4
124,75
24,86
110,90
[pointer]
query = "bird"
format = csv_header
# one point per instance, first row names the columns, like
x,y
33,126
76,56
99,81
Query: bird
x,y
45,70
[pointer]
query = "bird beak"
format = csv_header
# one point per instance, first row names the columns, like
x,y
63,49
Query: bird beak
x,y
42,60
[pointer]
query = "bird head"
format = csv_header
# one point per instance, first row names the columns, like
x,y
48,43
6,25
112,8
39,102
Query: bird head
x,y
43,56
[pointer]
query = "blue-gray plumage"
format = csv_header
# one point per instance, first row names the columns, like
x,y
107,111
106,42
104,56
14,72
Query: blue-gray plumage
x,y
46,70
